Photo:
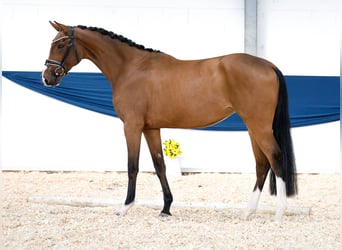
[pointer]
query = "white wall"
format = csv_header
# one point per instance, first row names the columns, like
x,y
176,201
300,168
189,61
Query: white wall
x,y
300,36
186,29
44,134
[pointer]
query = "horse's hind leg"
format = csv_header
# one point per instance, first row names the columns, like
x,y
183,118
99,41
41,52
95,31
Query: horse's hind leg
x,y
262,168
268,145
154,143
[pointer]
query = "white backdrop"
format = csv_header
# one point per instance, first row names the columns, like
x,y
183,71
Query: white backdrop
x,y
300,37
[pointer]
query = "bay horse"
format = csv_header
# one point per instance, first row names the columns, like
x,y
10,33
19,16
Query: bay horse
x,y
153,90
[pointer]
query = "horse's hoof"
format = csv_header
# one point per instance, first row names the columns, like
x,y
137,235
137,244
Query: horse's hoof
x,y
163,214
279,214
245,217
247,213
278,217
120,213
124,209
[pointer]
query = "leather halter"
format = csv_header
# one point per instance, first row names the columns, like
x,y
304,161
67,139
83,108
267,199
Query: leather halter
x,y
60,65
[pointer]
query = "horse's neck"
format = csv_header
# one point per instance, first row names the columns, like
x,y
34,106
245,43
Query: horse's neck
x,y
109,55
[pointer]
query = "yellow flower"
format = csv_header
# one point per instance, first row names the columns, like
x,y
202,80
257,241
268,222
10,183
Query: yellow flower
x,y
171,148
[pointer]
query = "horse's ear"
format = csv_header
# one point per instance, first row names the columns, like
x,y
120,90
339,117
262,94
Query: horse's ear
x,y
55,25
58,26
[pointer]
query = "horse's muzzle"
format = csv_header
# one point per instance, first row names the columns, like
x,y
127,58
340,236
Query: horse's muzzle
x,y
50,80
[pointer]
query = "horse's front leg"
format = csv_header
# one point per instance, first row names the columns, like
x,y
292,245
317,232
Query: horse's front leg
x,y
154,143
133,139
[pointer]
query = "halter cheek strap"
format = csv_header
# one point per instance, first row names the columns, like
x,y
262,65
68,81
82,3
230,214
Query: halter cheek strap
x,y
60,65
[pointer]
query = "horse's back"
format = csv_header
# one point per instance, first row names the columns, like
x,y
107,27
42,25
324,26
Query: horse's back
x,y
246,64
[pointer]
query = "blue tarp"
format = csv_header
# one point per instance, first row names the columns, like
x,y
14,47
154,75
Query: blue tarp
x,y
312,99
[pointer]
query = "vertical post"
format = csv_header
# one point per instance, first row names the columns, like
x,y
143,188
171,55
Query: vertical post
x,y
251,23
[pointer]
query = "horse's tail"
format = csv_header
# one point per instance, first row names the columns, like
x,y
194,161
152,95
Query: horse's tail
x,y
281,131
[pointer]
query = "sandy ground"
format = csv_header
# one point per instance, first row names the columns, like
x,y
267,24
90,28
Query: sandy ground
x,y
27,225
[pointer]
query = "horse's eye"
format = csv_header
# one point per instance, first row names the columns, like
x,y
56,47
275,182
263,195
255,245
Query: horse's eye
x,y
60,46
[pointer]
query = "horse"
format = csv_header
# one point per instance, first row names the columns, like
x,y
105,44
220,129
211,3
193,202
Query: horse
x,y
153,90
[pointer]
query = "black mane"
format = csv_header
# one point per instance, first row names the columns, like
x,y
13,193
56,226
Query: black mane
x,y
118,37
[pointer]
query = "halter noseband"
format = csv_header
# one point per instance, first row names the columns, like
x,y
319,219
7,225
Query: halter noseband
x,y
60,65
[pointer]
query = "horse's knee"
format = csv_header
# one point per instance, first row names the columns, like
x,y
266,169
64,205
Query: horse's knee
x,y
133,169
160,170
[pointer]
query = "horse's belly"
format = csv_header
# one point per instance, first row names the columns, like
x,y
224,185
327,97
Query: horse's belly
x,y
193,118
211,118
218,121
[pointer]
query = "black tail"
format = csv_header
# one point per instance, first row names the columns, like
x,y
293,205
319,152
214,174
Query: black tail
x,y
281,131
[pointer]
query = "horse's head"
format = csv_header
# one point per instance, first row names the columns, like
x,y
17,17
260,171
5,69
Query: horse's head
x,y
63,55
